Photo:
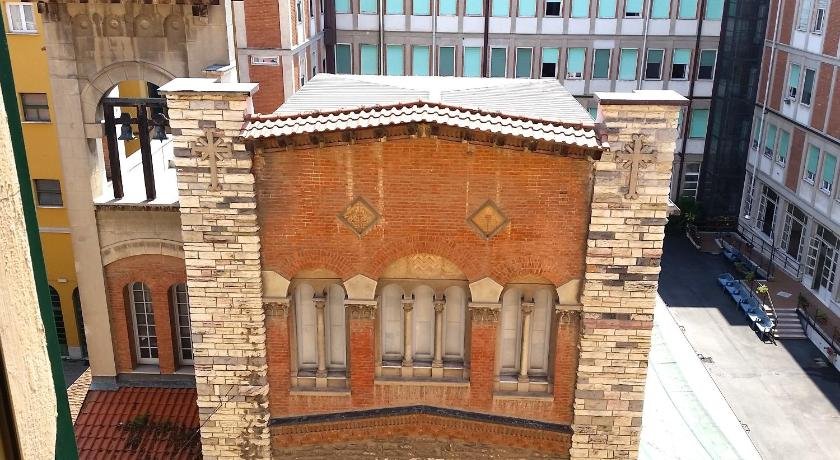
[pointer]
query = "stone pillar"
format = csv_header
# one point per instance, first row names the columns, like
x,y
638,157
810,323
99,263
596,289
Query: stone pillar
x,y
222,256
629,212
484,324
321,343
567,332
437,361
362,363
408,339
524,352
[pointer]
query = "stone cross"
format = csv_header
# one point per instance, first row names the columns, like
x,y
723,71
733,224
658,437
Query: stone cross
x,y
634,158
212,149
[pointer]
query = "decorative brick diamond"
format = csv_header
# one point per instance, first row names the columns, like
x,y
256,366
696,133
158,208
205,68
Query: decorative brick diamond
x,y
359,216
488,219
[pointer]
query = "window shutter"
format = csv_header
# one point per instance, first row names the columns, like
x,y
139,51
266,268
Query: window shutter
x,y
448,7
523,62
606,9
687,9
393,6
370,60
421,7
574,62
714,9
682,56
580,8
627,64
420,60
829,167
446,61
813,160
342,6
472,62
551,55
527,8
394,60
500,8
343,64
661,9
633,6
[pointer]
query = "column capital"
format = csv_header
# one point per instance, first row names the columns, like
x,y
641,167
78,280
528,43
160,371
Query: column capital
x,y
440,305
408,305
278,307
527,307
320,302
361,310
485,312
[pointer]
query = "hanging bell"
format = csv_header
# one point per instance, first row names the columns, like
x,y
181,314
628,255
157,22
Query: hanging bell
x,y
125,127
159,129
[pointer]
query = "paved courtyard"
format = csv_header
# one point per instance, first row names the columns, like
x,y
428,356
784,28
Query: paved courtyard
x,y
789,402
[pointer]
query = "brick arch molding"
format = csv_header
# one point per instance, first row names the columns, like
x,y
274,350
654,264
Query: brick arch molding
x,y
139,247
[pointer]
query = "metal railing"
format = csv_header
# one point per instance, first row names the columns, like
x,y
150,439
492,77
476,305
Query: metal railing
x,y
764,253
833,342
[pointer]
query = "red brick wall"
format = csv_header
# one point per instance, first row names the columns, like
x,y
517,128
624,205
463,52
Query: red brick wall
x,y
788,16
279,362
778,80
425,189
159,273
762,79
797,148
821,95
262,23
832,33
834,114
271,93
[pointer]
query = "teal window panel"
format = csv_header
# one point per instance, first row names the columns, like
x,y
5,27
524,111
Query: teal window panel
x,y
793,80
687,9
660,9
575,58
714,9
812,162
343,59
784,146
393,6
633,8
472,61
699,123
606,8
448,7
627,64
446,61
342,6
593,112
369,60
580,9
828,171
682,56
420,60
551,55
498,62
421,7
368,6
474,8
601,64
770,139
527,8
523,62
394,60
500,8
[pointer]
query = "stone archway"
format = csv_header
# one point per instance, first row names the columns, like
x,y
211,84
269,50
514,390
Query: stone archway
x,y
101,83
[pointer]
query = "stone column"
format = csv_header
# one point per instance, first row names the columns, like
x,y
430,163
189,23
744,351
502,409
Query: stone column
x,y
629,212
362,362
321,343
525,351
222,256
408,339
484,325
437,361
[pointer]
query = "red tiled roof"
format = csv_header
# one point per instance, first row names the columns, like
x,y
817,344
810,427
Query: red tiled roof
x,y
139,423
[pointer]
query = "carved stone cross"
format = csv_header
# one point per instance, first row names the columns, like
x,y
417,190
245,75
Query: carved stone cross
x,y
212,149
634,158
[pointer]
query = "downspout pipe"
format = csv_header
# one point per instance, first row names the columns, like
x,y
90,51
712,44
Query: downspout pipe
x,y
65,442
329,34
767,86
691,81
649,9
381,37
433,69
485,50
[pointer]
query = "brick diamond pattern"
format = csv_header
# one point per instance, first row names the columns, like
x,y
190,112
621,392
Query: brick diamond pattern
x,y
359,216
488,219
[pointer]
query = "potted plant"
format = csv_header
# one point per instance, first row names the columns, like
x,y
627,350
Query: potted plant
x,y
802,303
820,317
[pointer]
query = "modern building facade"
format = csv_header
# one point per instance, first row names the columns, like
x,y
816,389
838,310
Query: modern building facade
x,y
24,32
790,201
589,46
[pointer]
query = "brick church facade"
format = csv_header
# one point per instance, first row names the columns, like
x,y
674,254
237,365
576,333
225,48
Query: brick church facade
x,y
407,266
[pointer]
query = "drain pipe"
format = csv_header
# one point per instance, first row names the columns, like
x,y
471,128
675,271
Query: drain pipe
x,y
485,50
433,69
691,81
768,84
649,9
381,37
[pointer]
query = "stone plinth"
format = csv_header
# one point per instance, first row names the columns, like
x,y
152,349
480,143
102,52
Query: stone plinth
x,y
629,212
222,256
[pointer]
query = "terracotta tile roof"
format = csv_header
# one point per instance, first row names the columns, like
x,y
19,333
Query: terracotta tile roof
x,y
139,423
537,109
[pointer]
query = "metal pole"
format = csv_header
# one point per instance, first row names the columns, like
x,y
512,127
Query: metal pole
x,y
65,442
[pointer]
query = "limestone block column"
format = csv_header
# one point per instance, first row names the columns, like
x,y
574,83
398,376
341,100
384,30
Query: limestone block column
x,y
408,339
629,211
222,256
525,350
437,361
321,343
362,363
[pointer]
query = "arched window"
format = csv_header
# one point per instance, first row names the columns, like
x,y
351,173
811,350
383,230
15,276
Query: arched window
x,y
181,313
453,325
336,328
423,317
513,337
307,351
145,335
391,323
58,317
307,313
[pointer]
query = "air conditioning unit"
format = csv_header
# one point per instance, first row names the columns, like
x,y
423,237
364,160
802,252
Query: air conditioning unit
x,y
574,75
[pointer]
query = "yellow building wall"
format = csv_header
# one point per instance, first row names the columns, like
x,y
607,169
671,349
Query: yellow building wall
x,y
31,75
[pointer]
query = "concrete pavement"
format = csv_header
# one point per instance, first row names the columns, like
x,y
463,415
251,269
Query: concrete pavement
x,y
789,402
